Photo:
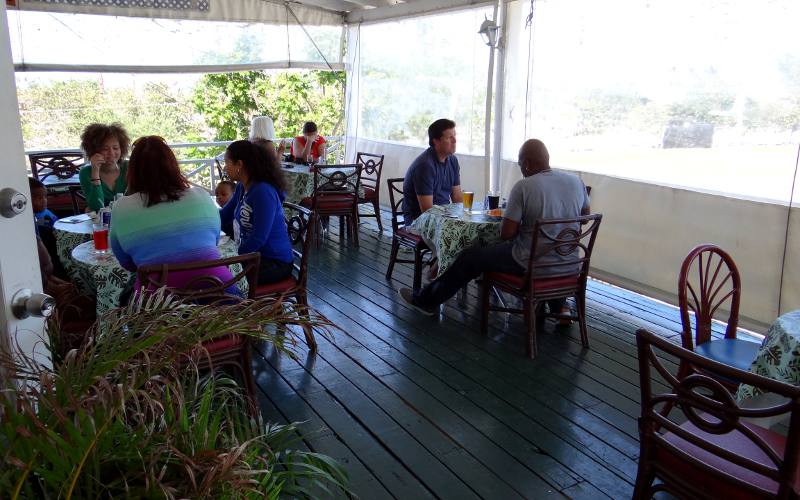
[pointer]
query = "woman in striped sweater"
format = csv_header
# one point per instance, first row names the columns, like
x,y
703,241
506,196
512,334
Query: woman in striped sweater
x,y
163,219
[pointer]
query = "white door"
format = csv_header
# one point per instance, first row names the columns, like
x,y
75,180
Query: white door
x,y
19,262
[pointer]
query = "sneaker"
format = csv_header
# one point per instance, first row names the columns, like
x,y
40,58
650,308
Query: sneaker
x,y
565,321
408,296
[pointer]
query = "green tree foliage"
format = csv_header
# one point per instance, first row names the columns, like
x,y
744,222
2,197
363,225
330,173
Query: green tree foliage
x,y
228,101
54,114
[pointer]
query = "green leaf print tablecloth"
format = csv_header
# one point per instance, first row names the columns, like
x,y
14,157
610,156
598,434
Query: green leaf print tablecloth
x,y
100,275
301,181
68,236
779,355
452,231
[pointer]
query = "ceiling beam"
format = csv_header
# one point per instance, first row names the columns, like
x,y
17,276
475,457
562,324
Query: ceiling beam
x,y
211,68
412,8
337,6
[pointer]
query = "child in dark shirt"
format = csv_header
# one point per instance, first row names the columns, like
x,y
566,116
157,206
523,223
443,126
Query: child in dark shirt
x,y
41,214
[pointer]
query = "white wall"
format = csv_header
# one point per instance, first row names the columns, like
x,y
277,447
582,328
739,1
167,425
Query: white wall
x,y
398,157
648,229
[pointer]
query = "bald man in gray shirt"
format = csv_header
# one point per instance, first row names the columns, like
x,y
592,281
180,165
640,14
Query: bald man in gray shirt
x,y
541,194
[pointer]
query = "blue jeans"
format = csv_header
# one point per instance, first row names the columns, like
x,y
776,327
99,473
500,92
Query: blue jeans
x,y
469,265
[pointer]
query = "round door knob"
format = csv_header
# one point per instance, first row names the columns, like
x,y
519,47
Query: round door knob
x,y
12,202
24,304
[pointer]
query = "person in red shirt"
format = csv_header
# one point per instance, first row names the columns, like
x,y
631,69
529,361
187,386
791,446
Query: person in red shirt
x,y
309,144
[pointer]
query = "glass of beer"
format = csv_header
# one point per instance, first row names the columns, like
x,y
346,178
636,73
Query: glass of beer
x,y
468,197
100,237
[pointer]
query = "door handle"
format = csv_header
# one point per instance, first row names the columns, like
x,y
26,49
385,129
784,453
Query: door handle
x,y
12,202
24,304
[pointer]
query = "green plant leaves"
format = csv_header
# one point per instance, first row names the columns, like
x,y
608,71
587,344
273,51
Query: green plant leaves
x,y
129,414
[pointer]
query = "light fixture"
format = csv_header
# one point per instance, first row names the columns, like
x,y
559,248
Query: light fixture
x,y
488,32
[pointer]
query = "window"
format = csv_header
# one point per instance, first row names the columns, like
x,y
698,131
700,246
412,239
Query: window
x,y
415,71
698,94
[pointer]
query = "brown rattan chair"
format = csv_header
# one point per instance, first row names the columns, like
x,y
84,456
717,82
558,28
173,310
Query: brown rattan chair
x,y
709,282
402,236
299,222
570,242
78,199
47,164
711,448
230,350
371,167
335,194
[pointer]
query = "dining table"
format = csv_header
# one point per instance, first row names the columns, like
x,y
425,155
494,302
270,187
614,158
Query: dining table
x,y
452,230
69,233
99,274
779,355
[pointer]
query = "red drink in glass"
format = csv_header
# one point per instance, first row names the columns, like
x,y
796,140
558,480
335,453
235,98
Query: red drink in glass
x,y
100,237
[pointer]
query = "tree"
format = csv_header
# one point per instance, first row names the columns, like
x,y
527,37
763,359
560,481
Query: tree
x,y
54,114
228,101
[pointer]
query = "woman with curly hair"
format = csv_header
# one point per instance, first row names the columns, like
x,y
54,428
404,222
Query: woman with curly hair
x,y
105,175
256,209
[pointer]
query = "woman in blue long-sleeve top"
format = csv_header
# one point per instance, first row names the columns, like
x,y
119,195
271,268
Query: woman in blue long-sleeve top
x,y
256,209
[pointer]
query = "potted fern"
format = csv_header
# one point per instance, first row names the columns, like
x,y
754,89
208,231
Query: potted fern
x,y
126,415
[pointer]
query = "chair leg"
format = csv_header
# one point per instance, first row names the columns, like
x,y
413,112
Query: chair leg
x,y
341,227
580,305
376,208
302,300
485,290
529,309
392,258
354,226
249,383
417,269
644,479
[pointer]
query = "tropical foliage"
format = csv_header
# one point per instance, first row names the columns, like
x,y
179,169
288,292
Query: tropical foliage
x,y
129,415
228,101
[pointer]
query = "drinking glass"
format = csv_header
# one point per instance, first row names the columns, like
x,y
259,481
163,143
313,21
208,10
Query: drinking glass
x,y
100,237
468,197
493,200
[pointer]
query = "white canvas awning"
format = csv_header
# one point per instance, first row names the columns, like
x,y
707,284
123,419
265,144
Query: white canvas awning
x,y
307,12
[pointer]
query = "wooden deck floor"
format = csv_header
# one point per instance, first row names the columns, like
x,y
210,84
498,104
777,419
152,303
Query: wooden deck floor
x,y
419,407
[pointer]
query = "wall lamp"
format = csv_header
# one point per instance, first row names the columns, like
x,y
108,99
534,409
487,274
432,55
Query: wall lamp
x,y
488,32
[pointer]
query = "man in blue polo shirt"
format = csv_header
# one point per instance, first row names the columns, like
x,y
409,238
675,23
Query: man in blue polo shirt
x,y
434,178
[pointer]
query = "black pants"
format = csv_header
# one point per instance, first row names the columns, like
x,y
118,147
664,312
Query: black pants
x,y
273,271
469,265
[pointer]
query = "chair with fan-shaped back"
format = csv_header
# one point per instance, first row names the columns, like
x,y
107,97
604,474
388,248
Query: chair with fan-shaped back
x,y
699,441
708,284
299,222
200,282
371,167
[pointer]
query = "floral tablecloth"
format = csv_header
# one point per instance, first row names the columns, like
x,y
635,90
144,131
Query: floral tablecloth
x,y
68,236
779,355
100,275
451,230
301,181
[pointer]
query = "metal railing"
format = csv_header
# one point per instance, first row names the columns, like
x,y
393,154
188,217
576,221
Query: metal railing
x,y
202,172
